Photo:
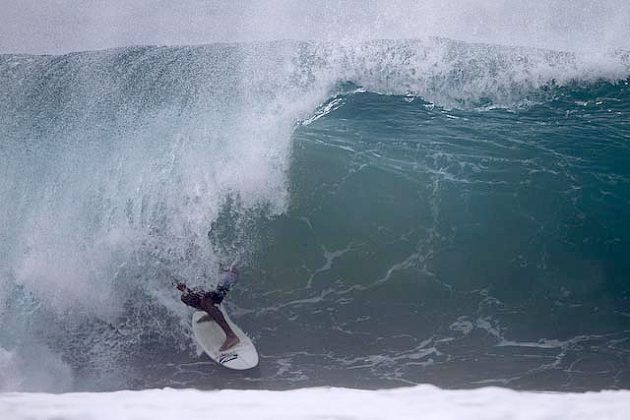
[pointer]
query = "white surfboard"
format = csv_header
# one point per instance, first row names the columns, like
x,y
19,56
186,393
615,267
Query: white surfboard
x,y
210,337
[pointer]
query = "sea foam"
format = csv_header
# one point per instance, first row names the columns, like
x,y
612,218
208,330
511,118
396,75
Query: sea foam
x,y
423,401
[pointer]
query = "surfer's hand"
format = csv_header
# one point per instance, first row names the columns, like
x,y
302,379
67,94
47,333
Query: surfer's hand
x,y
181,287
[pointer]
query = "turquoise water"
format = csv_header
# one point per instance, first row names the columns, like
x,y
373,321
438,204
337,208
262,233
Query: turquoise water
x,y
484,244
403,212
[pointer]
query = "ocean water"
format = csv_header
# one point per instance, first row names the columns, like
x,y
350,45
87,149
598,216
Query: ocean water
x,y
403,212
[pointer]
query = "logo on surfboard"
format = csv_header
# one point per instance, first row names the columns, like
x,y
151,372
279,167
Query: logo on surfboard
x,y
227,357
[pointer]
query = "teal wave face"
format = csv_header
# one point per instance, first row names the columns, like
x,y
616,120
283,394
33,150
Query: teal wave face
x,y
449,213
436,243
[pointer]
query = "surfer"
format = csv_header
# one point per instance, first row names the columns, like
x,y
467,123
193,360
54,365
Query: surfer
x,y
207,301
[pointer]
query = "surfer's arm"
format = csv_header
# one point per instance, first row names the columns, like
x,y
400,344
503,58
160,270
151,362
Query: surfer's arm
x,y
228,278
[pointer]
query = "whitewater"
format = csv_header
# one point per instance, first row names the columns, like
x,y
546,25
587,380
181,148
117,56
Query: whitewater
x,y
423,401
428,208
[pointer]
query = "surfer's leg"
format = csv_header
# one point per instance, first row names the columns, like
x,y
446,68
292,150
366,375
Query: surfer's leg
x,y
230,338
